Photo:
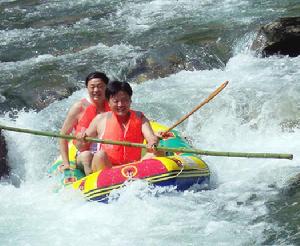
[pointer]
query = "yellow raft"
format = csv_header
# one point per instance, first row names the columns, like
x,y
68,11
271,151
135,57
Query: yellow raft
x,y
181,170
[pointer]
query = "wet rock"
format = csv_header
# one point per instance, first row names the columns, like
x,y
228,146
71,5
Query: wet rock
x,y
293,186
34,84
153,65
290,125
4,169
160,62
47,96
32,96
279,37
283,210
247,199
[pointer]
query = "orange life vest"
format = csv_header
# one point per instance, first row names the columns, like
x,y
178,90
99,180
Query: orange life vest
x,y
89,113
118,154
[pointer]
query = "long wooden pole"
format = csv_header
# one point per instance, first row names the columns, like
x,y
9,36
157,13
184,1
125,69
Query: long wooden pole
x,y
138,145
210,97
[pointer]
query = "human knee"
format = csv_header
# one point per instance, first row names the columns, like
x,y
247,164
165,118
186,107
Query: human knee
x,y
100,154
85,156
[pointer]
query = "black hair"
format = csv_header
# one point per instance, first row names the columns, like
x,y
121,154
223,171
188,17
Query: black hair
x,y
96,75
114,87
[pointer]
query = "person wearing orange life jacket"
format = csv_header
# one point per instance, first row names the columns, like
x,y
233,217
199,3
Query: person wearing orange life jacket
x,y
121,124
79,117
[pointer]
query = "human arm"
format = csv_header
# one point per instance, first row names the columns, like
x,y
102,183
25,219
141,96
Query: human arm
x,y
67,127
91,131
149,135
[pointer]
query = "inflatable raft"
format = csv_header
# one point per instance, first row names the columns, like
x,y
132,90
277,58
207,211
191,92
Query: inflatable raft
x,y
181,170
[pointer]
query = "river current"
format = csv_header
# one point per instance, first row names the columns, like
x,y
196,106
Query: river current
x,y
251,201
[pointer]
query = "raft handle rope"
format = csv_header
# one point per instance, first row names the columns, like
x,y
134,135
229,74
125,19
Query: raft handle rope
x,y
181,164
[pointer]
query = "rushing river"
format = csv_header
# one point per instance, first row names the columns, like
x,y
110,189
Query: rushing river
x,y
251,201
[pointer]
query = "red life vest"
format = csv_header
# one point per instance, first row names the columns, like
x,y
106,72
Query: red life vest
x,y
118,154
89,113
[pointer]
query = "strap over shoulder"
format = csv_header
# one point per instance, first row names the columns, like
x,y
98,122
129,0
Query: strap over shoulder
x,y
139,114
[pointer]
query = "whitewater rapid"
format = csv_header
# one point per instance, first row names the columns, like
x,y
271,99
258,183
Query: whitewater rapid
x,y
247,116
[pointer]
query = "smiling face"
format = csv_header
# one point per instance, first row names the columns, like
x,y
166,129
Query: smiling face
x,y
96,90
120,103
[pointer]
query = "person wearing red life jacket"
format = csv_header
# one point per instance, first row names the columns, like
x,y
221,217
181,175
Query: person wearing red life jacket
x,y
80,116
121,124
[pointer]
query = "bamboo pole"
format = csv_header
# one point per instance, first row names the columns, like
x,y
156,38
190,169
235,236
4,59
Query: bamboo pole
x,y
138,145
210,97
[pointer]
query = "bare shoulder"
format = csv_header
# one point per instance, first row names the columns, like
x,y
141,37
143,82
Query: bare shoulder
x,y
144,119
77,107
104,114
96,125
72,117
75,110
100,117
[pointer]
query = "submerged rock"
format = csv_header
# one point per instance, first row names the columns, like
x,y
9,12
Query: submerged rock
x,y
279,37
160,62
30,96
47,96
4,169
292,188
290,125
283,210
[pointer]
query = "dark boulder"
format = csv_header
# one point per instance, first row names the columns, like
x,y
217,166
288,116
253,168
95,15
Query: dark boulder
x,y
4,169
32,96
160,62
280,37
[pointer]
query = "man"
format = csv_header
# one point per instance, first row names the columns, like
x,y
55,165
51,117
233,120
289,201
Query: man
x,y
121,124
79,117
